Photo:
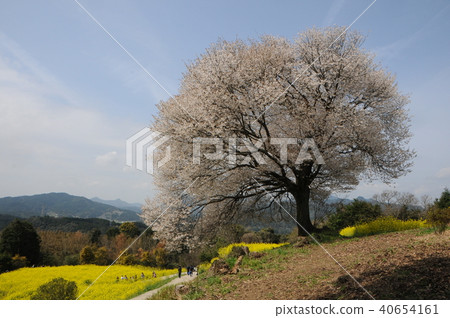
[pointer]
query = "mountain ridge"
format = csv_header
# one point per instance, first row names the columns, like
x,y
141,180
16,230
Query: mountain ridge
x,y
61,204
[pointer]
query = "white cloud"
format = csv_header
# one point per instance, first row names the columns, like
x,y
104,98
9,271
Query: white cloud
x,y
49,136
443,173
106,159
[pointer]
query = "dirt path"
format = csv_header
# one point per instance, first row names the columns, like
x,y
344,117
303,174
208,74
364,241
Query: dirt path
x,y
183,279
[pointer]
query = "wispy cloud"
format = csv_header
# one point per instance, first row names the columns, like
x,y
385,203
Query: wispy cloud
x,y
443,173
396,48
50,134
107,158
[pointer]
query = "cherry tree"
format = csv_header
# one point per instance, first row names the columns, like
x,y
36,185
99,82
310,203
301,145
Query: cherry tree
x,y
265,122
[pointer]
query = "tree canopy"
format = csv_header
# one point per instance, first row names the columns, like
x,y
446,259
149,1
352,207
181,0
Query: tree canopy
x,y
266,121
20,238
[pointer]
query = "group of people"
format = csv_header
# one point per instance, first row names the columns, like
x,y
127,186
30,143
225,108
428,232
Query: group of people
x,y
135,277
189,270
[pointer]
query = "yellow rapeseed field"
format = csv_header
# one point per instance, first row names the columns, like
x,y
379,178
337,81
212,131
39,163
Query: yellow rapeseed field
x,y
20,284
253,247
382,225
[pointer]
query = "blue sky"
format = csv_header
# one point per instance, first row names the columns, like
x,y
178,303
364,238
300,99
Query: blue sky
x,y
70,96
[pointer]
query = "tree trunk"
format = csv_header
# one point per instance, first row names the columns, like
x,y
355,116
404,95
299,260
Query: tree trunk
x,y
303,218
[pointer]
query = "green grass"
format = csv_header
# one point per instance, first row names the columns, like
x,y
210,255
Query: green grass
x,y
213,280
166,293
154,286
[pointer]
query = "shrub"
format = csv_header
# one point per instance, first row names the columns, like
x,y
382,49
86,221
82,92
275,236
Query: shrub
x,y
251,237
57,288
268,235
255,247
354,213
439,218
382,225
207,254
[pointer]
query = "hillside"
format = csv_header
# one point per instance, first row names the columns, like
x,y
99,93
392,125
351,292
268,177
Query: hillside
x,y
135,207
63,205
404,265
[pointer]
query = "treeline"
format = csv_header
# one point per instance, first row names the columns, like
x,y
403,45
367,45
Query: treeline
x,y
22,245
66,224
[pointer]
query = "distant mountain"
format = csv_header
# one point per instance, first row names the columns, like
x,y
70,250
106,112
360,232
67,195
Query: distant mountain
x,y
65,224
136,207
63,205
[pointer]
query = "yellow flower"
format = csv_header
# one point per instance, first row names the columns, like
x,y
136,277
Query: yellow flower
x,y
20,284
382,225
348,231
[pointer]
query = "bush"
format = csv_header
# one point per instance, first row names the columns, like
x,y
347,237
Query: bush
x,y
382,225
251,237
268,235
208,253
354,213
439,218
255,247
56,289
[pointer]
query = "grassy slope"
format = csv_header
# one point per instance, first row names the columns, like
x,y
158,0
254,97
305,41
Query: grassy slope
x,y
404,265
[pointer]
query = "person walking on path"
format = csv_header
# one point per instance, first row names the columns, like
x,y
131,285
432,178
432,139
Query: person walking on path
x,y
179,271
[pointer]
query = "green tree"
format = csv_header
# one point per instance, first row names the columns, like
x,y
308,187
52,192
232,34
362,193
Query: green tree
x,y
128,259
20,237
148,259
5,263
101,256
444,201
112,232
130,229
439,214
87,255
56,289
354,213
161,256
95,235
